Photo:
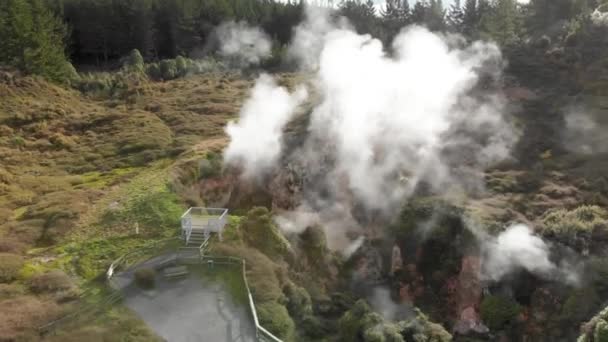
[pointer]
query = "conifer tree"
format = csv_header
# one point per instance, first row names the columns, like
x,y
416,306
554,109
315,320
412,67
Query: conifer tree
x,y
470,18
33,39
455,17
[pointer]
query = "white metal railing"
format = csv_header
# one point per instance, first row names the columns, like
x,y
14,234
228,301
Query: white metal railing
x,y
209,220
261,333
186,227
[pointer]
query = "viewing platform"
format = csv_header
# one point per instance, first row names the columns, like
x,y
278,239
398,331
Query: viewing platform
x,y
198,223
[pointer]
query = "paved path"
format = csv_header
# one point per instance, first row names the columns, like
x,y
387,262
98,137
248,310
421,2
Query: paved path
x,y
190,310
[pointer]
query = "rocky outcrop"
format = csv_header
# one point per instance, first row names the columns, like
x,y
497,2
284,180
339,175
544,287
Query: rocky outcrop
x,y
468,297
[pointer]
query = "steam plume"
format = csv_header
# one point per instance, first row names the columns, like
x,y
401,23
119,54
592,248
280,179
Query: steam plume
x,y
384,122
242,43
517,248
256,139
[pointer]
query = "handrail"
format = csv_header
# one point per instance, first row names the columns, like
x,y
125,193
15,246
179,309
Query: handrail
x,y
260,332
122,260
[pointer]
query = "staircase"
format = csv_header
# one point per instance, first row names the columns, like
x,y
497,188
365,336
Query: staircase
x,y
197,237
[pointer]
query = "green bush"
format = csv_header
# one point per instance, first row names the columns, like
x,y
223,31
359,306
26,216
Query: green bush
x,y
134,62
10,264
51,281
567,224
600,333
261,233
181,66
496,311
145,278
211,166
299,303
153,71
311,326
355,321
158,210
314,243
168,69
274,317
579,305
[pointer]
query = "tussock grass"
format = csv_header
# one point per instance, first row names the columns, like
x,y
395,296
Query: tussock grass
x,y
80,169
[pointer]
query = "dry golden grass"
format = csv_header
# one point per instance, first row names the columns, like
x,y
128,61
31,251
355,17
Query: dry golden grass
x,y
67,158
20,314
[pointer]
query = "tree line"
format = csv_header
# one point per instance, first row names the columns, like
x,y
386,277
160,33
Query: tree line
x,y
40,36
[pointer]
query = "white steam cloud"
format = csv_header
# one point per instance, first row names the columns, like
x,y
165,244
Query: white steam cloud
x,y
517,248
242,43
382,123
256,138
583,133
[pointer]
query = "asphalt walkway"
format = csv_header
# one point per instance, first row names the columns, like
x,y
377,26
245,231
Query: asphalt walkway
x,y
189,309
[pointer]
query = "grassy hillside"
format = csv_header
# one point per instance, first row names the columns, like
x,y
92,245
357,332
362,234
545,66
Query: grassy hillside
x,y
79,172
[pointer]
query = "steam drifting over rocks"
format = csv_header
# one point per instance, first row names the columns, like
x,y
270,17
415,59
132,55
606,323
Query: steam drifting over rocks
x,y
517,248
256,138
382,123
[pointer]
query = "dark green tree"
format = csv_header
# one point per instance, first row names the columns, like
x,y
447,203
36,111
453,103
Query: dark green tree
x,y
501,22
33,39
395,15
455,17
470,18
419,12
436,16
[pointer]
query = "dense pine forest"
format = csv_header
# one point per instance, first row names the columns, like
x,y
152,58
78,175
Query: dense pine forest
x,y
99,33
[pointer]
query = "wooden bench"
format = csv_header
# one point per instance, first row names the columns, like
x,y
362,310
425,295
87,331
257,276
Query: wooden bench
x,y
175,272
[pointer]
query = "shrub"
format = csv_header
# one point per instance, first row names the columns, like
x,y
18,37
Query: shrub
x,y
262,273
181,66
600,333
274,317
134,62
583,220
312,327
19,315
314,243
211,166
579,305
156,210
10,264
145,278
153,71
168,69
261,233
299,303
11,246
10,291
496,312
52,281
351,324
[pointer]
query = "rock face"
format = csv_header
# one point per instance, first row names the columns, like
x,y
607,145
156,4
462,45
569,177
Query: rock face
x,y
468,297
396,260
